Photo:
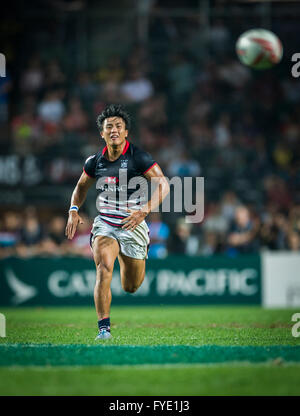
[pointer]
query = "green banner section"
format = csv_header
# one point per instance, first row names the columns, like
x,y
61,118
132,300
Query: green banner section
x,y
174,280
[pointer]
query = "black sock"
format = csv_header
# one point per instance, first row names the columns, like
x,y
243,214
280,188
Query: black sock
x,y
104,323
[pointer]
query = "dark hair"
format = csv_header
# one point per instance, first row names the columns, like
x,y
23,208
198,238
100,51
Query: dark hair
x,y
113,110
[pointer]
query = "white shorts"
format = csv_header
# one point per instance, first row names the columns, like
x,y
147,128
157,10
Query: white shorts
x,y
133,244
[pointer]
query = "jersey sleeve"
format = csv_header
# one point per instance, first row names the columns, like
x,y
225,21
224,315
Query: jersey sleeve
x,y
144,161
89,166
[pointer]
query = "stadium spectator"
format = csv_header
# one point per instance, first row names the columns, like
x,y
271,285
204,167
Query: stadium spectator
x,y
222,131
277,192
169,148
32,79
219,37
55,79
215,220
51,109
233,73
182,241
210,244
85,89
294,218
31,237
282,155
183,165
181,77
273,231
229,203
293,241
136,88
138,59
152,112
9,233
56,239
242,233
112,71
158,233
75,118
26,129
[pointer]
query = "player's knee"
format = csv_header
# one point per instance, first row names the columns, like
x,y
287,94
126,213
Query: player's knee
x,y
130,288
104,268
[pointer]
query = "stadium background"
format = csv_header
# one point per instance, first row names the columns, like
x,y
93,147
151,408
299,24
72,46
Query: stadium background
x,y
194,108
199,112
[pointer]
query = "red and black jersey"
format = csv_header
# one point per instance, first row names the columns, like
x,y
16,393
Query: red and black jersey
x,y
115,195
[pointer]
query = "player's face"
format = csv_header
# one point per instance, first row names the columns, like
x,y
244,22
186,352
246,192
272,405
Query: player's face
x,y
114,131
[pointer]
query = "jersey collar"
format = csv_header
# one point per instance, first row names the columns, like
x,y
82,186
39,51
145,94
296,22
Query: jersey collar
x,y
124,150
125,147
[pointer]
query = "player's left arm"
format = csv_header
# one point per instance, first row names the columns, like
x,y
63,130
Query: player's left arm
x,y
162,188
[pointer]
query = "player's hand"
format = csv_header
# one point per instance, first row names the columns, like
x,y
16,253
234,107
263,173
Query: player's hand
x,y
73,220
134,219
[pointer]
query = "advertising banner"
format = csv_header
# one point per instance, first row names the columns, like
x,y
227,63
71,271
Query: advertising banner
x,y
174,280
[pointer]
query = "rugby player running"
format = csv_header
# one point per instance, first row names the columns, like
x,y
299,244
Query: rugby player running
x,y
120,231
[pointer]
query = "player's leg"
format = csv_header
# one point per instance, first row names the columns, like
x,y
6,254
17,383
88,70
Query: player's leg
x,y
105,251
132,258
132,272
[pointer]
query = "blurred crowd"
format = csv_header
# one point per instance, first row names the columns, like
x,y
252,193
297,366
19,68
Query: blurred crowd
x,y
196,109
229,228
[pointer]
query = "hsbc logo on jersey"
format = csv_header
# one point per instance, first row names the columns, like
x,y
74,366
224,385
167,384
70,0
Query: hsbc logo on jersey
x,y
111,184
111,180
188,193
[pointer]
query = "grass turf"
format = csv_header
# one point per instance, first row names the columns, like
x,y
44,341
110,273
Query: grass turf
x,y
57,355
236,379
153,326
165,325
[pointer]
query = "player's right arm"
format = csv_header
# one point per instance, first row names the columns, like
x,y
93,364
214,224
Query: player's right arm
x,y
78,198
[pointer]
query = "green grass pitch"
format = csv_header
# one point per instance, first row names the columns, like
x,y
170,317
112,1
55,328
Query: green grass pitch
x,y
158,350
